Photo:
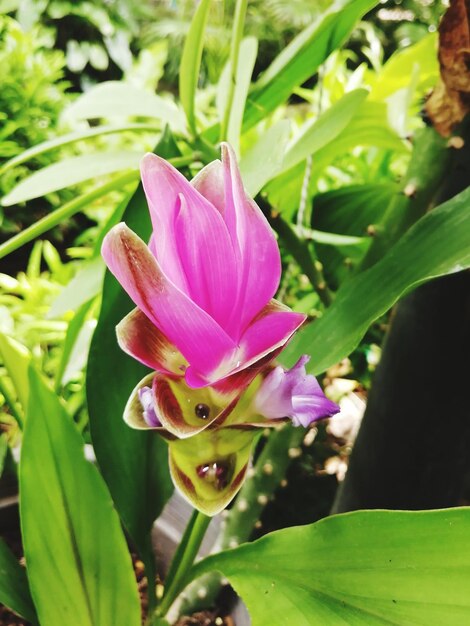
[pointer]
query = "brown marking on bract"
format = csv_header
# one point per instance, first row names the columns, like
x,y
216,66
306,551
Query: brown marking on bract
x,y
169,410
185,480
139,337
238,478
450,100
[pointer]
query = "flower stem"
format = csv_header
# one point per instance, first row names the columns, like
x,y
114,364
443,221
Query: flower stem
x,y
237,34
183,559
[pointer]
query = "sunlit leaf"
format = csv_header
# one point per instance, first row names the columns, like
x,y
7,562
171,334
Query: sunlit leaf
x,y
71,171
191,61
79,567
370,567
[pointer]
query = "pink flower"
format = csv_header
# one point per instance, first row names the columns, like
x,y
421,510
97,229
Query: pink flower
x,y
293,393
204,284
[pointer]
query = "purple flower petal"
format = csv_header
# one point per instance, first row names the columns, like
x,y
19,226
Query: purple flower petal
x,y
148,406
294,393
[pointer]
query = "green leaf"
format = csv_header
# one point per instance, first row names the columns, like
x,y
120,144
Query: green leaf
x,y
264,160
436,245
79,567
368,127
69,138
16,359
349,210
14,588
134,463
70,172
318,133
302,57
191,62
3,452
118,99
85,285
246,63
379,568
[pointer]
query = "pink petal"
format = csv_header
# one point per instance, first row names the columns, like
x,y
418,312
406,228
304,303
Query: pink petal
x,y
162,184
254,242
198,337
209,182
206,254
271,329
268,332
140,338
190,241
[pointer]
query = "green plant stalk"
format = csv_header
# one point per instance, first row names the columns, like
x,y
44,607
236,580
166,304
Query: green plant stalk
x,y
11,403
258,489
301,251
424,178
183,559
237,34
74,206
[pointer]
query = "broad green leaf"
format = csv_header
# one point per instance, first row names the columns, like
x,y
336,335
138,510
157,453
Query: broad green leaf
x,y
71,171
379,568
349,211
69,138
191,61
134,463
16,359
396,73
246,62
119,99
79,567
85,285
319,132
302,57
436,245
14,588
264,160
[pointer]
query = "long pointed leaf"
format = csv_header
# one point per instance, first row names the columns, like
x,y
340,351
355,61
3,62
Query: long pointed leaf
x,y
436,245
79,567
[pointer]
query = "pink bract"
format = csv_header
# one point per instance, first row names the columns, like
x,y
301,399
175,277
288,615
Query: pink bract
x,y
204,285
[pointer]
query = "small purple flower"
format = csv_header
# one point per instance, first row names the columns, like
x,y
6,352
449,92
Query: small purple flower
x,y
148,405
294,393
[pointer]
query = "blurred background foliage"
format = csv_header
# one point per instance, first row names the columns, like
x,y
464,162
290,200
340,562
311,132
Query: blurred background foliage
x,y
88,86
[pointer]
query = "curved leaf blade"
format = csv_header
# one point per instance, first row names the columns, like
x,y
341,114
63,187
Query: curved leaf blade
x,y
70,172
14,587
436,245
191,62
369,567
114,98
79,567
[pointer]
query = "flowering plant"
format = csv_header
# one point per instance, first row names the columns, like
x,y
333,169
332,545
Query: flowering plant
x,y
207,323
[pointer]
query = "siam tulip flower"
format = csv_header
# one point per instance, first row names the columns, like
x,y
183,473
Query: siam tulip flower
x,y
204,285
207,325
